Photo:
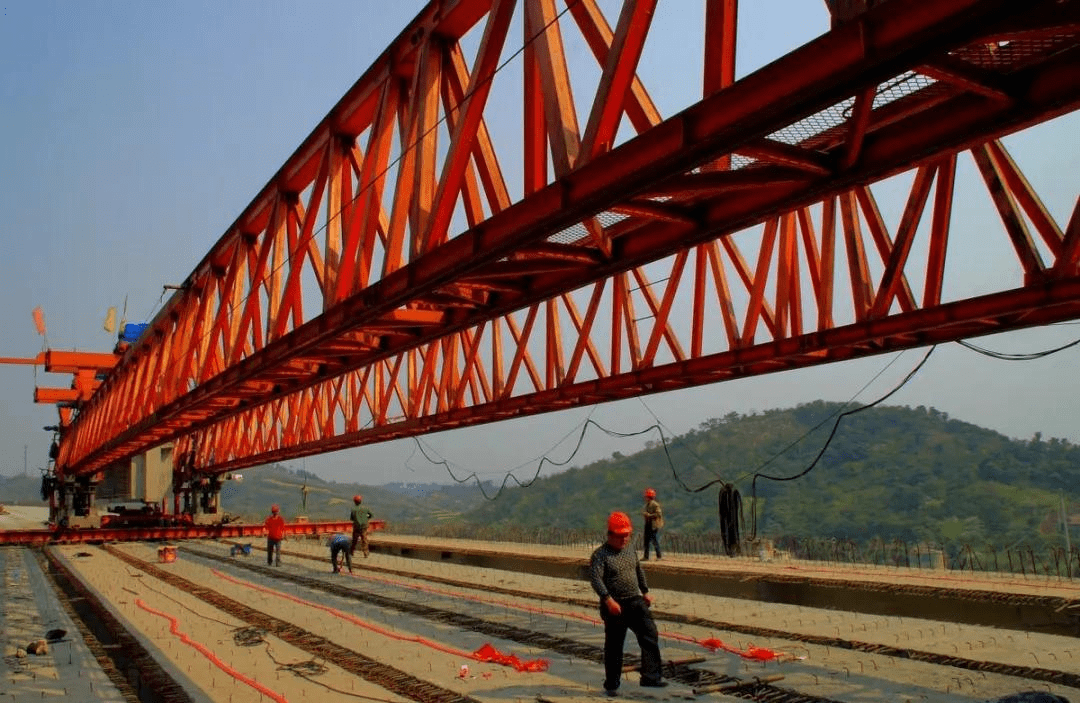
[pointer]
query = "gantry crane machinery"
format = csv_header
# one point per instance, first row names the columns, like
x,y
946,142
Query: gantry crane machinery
x,y
405,271
71,500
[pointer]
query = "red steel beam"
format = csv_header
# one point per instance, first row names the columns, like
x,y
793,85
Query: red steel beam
x,y
73,362
32,360
889,318
51,396
433,288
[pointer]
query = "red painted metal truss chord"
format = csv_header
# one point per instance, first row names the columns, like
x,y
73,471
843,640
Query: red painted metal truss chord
x,y
371,292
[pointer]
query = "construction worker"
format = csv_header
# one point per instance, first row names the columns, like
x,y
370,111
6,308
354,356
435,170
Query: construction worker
x,y
361,518
275,532
339,545
654,520
617,577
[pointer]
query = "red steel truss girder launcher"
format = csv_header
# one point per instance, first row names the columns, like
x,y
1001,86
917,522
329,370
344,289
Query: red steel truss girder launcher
x,y
410,329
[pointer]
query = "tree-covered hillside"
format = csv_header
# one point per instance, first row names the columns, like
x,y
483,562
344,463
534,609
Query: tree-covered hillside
x,y
892,473
21,489
889,472
401,504
406,506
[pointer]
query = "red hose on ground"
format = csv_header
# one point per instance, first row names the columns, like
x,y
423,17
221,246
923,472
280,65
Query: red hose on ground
x,y
487,650
175,629
712,644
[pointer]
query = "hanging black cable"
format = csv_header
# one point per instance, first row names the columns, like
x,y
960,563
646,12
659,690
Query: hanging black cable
x,y
508,476
836,426
729,499
729,511
1004,356
543,460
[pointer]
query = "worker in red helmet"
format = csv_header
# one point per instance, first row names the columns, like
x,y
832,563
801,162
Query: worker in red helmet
x,y
617,577
654,520
275,532
361,519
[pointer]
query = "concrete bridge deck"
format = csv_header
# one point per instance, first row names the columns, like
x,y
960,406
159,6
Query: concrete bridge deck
x,y
1034,603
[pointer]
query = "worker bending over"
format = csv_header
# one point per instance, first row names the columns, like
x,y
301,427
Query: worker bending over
x,y
340,548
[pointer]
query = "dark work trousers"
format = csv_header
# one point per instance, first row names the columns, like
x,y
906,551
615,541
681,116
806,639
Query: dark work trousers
x,y
651,537
359,534
273,551
336,550
637,618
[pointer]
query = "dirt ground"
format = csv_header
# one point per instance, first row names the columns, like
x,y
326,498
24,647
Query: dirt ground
x,y
199,647
24,517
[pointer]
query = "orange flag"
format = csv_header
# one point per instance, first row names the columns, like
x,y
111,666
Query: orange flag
x,y
39,320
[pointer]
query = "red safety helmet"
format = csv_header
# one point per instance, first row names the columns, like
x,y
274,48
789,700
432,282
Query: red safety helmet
x,y
274,508
619,524
650,493
357,499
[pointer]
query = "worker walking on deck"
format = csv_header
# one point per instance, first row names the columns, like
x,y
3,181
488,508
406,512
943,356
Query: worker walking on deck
x,y
654,520
361,519
275,532
339,547
617,577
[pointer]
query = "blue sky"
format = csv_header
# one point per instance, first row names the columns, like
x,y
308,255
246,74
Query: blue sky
x,y
137,132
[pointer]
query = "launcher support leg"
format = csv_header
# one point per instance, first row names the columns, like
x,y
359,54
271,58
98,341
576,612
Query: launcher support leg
x,y
209,495
73,499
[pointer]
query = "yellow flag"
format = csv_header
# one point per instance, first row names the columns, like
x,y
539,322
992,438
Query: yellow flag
x,y
110,320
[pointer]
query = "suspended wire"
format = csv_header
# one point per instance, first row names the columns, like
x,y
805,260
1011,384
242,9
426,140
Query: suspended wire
x,y
836,426
664,444
788,447
836,412
1015,357
473,476
688,448
778,454
732,496
658,426
527,462
362,190
153,310
303,243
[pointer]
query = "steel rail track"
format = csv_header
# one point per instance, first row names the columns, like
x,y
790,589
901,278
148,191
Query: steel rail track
x,y
134,672
390,678
1042,674
749,689
974,595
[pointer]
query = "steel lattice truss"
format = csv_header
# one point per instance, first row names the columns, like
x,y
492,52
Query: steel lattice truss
x,y
386,283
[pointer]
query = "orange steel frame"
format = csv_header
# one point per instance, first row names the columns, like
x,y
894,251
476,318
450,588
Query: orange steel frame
x,y
86,368
371,292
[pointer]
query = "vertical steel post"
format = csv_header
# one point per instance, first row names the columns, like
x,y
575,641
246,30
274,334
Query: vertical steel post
x,y
1065,527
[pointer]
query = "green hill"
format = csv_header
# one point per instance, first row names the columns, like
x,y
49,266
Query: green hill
x,y
889,473
21,490
893,473
404,505
400,504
